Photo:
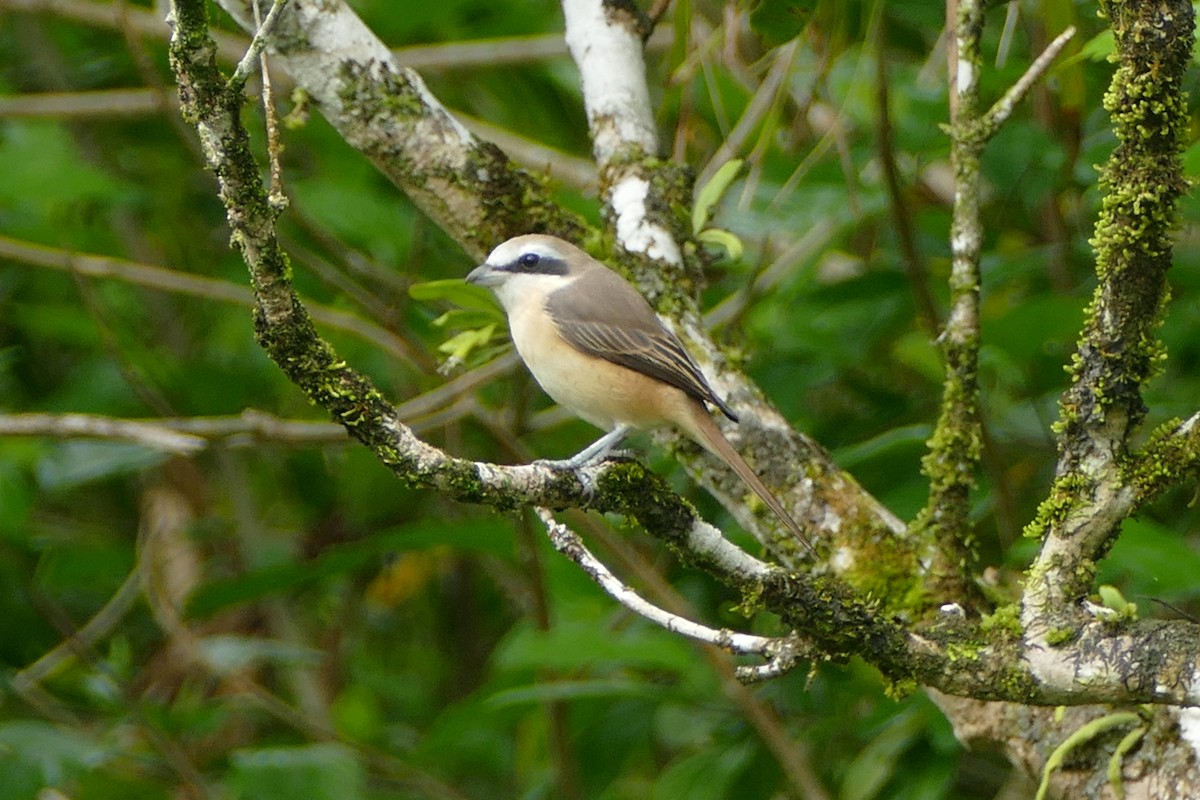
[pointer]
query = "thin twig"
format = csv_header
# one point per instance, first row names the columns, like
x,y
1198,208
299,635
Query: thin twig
x,y
73,426
275,195
782,653
83,105
1002,109
902,215
168,280
246,66
95,629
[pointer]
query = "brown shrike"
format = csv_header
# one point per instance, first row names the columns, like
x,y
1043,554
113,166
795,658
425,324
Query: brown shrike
x,y
596,347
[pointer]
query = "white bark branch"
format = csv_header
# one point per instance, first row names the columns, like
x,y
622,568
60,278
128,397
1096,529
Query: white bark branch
x,y
605,42
782,653
250,60
384,110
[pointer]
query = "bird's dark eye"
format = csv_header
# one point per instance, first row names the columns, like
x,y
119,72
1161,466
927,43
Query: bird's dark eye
x,y
529,260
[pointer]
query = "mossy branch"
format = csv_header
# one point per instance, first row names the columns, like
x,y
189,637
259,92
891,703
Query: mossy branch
x,y
957,442
1099,481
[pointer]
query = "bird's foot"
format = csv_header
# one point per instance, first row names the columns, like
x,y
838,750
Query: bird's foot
x,y
576,464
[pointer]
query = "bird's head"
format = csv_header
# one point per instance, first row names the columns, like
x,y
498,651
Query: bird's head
x,y
534,264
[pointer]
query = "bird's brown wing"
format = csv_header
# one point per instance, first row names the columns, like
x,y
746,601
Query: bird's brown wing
x,y
622,328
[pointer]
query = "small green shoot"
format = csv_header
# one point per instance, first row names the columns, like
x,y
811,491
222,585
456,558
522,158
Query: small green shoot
x,y
706,200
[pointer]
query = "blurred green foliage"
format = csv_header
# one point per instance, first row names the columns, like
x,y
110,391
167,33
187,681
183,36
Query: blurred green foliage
x,y
350,638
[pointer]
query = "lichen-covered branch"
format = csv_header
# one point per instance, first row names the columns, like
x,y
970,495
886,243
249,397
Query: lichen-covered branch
x,y
957,441
1118,351
469,187
1171,454
955,446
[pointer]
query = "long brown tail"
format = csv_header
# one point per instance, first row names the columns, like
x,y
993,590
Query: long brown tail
x,y
706,433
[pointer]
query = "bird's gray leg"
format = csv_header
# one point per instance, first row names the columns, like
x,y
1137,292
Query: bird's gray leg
x,y
594,452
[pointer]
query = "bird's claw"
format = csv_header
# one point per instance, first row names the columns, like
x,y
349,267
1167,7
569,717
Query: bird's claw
x,y
576,465
570,465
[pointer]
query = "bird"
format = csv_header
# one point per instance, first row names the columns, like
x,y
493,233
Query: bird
x,y
594,344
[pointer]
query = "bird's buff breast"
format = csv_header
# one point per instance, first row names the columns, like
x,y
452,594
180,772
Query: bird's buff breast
x,y
603,393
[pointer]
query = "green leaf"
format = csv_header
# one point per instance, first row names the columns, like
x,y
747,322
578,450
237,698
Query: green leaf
x,y
1151,560
722,238
586,644
876,764
457,319
778,21
35,754
707,775
1191,161
457,291
314,772
16,498
459,346
917,351
712,192
902,439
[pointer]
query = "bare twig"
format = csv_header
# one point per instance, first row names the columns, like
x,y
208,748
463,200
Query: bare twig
x,y
902,214
275,196
83,105
193,285
257,44
781,653
189,435
74,426
1002,109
